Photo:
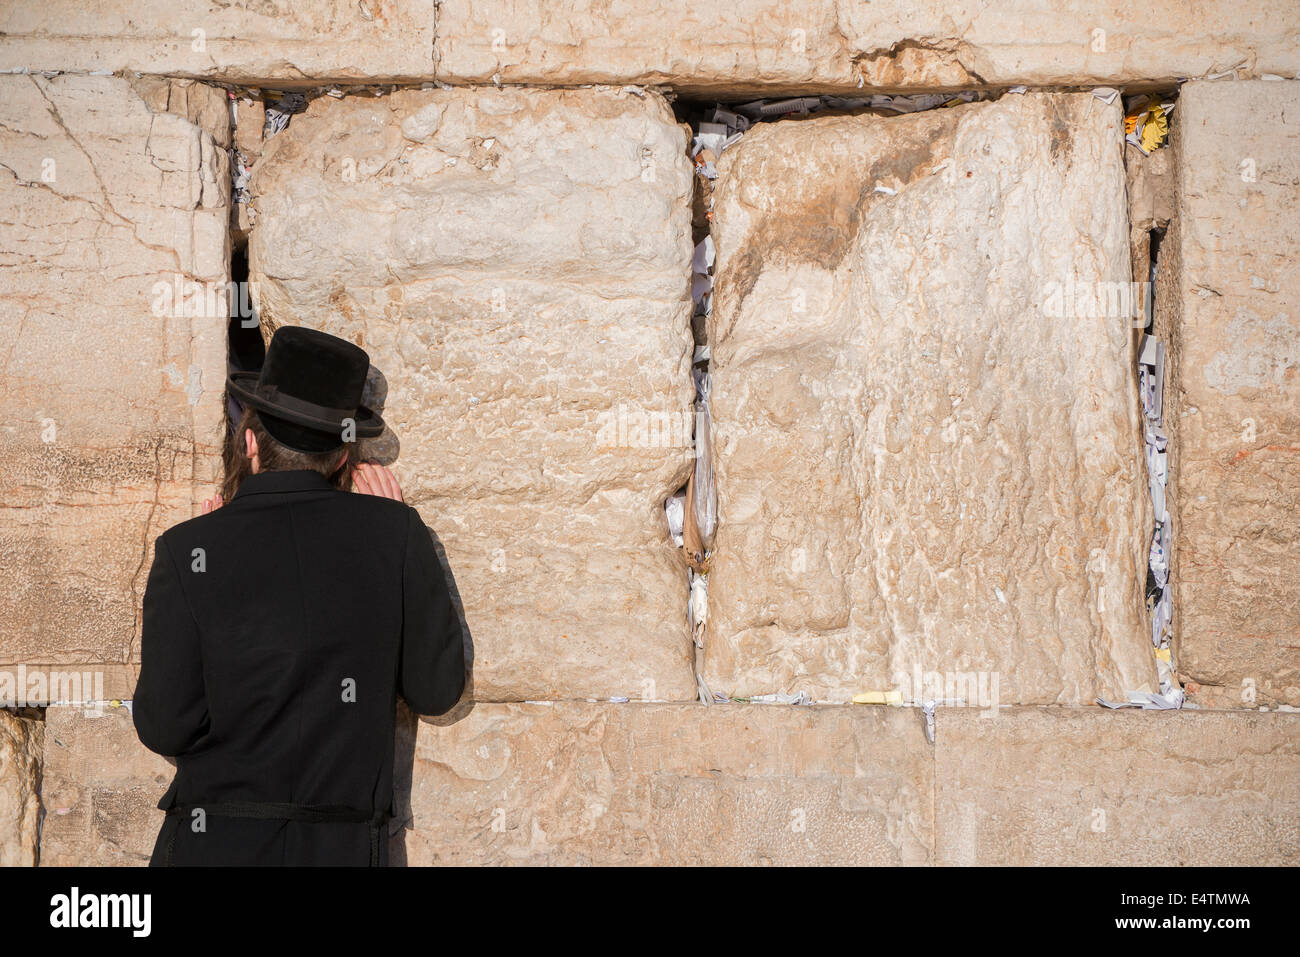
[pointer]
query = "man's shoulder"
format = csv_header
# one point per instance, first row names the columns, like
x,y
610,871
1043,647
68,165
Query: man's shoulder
x,y
370,511
375,506
188,528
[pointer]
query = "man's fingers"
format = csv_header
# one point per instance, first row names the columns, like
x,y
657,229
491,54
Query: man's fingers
x,y
378,481
391,484
372,479
359,479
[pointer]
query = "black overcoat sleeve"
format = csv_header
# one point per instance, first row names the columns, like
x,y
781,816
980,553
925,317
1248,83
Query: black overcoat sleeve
x,y
431,672
170,708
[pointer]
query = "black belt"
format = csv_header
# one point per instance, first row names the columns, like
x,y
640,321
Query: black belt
x,y
270,811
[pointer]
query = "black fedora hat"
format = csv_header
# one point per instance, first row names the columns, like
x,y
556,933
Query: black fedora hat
x,y
308,390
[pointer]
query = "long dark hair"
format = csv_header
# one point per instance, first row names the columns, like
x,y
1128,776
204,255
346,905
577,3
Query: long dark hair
x,y
274,457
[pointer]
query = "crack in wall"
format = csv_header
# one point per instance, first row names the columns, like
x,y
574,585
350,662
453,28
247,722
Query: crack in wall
x,y
892,66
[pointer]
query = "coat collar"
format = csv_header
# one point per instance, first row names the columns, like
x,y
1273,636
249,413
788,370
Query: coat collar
x,y
297,480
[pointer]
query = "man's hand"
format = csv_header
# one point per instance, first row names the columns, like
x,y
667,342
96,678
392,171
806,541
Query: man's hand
x,y
370,478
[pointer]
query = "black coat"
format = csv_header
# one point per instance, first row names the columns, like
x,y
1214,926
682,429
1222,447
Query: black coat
x,y
278,631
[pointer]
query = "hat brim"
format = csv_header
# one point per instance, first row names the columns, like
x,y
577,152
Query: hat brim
x,y
243,386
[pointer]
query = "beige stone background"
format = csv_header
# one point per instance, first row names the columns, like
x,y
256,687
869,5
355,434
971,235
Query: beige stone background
x,y
916,467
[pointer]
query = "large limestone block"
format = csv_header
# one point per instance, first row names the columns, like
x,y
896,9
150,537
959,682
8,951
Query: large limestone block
x,y
21,740
100,789
569,783
516,262
1067,41
113,259
754,46
770,46
1234,393
289,40
745,45
927,447
576,783
1054,786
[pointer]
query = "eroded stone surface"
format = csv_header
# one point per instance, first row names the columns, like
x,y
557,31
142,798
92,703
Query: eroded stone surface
x,y
21,740
1151,187
1092,787
757,46
926,439
516,263
760,46
576,783
1234,301
100,789
290,40
114,207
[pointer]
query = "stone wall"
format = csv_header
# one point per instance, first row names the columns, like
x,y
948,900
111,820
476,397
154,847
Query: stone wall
x,y
609,784
286,41
922,460
22,741
515,262
1235,303
101,789
749,47
114,211
924,466
1083,787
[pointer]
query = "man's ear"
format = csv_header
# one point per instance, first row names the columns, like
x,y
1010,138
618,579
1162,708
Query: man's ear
x,y
250,444
340,462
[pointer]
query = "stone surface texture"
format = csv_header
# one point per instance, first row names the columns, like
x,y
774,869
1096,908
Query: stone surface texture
x,y
926,432
749,46
1151,186
765,46
101,789
1232,306
919,464
113,195
1091,787
516,263
288,40
578,783
21,741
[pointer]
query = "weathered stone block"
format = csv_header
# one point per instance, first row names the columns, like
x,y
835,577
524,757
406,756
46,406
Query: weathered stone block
x,y
1053,786
570,782
21,741
926,421
516,263
1233,311
100,789
1065,41
288,40
749,46
574,783
113,225
577,783
765,47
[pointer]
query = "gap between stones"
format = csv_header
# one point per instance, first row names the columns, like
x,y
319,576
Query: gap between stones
x,y
34,716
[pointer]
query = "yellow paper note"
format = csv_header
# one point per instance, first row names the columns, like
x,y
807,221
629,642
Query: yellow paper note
x,y
879,697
